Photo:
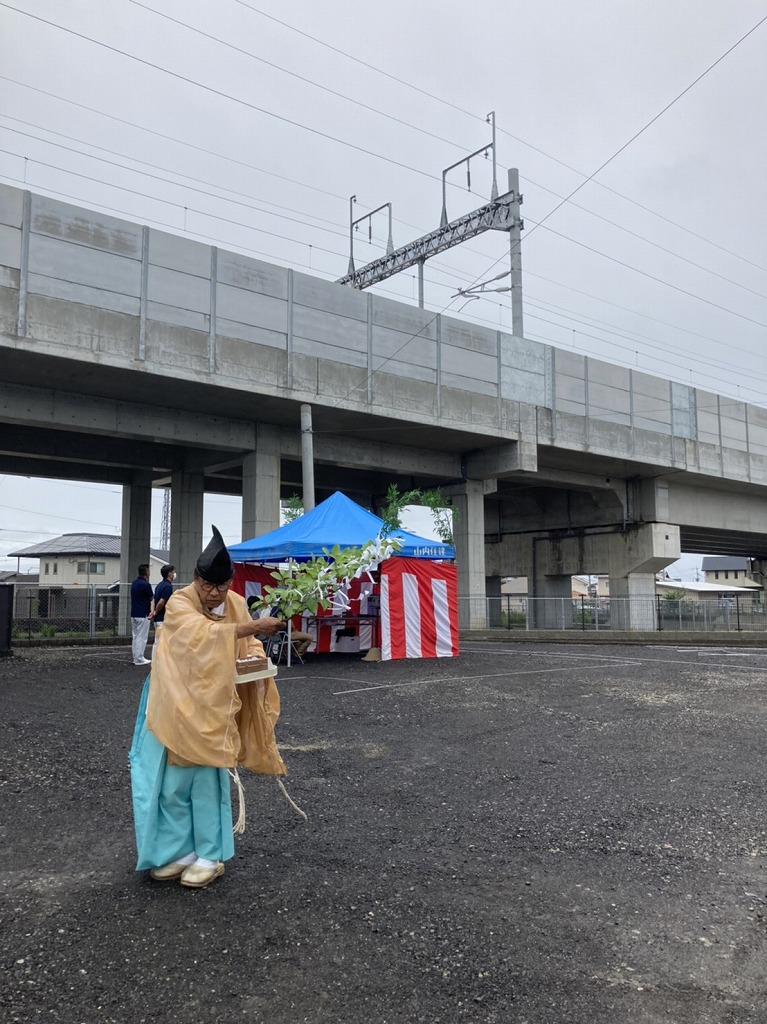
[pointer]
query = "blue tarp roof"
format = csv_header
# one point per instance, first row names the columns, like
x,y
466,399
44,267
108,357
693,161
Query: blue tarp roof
x,y
337,520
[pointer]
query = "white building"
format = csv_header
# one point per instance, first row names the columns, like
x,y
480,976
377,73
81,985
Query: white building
x,y
80,559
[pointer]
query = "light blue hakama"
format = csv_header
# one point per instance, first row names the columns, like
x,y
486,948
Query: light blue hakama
x,y
176,810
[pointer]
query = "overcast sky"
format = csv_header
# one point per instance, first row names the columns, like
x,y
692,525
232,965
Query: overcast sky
x,y
249,123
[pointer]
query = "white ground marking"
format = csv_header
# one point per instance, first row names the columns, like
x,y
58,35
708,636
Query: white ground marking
x,y
462,679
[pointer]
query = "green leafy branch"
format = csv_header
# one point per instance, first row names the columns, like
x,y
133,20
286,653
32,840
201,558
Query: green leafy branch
x,y
308,586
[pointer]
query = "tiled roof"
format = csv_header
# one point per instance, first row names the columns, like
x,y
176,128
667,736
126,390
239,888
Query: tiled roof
x,y
711,562
104,544
73,544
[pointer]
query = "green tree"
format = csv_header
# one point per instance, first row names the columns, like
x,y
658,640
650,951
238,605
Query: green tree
x,y
293,508
443,515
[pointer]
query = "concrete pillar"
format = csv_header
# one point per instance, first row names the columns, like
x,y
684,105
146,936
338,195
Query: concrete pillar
x,y
495,605
635,556
135,533
186,525
631,557
469,537
552,607
261,484
633,604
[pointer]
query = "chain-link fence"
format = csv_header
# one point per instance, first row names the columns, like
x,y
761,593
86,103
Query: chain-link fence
x,y
93,612
86,612
746,612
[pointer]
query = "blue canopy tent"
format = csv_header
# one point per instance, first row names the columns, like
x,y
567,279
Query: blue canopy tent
x,y
337,520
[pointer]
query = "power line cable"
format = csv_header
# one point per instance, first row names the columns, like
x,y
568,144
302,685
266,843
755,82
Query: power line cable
x,y
657,245
293,74
334,252
221,94
181,206
191,188
172,138
536,149
601,167
296,182
564,200
424,131
438,284
652,277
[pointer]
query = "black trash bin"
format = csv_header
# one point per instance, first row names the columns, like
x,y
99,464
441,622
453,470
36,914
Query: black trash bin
x,y
6,617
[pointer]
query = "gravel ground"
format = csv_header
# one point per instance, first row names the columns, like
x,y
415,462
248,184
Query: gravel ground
x,y
536,834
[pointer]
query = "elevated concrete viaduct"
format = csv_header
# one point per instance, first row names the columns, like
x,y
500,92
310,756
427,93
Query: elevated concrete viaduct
x,y
143,359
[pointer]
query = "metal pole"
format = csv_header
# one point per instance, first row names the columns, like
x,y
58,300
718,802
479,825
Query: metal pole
x,y
92,611
515,241
307,457
494,189
420,283
352,201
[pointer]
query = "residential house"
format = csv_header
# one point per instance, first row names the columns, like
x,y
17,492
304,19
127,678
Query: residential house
x,y
75,562
79,559
735,571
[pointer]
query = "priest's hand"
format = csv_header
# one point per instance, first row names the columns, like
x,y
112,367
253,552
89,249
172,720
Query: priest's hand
x,y
268,625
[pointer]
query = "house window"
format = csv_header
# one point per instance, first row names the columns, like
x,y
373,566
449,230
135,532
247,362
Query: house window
x,y
47,568
726,574
55,568
716,574
82,568
98,568
736,574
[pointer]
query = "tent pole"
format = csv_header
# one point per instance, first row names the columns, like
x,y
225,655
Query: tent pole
x,y
290,622
307,457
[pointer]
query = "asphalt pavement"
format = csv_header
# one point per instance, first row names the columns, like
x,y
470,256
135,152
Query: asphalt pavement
x,y
531,834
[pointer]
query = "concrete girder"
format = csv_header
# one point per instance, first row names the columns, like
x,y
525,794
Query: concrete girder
x,y
71,447
502,461
49,470
61,410
350,453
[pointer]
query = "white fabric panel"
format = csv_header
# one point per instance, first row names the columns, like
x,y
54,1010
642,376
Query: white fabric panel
x,y
385,620
412,616
444,643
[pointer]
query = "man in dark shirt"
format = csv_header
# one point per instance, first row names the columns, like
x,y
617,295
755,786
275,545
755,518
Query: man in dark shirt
x,y
162,593
141,599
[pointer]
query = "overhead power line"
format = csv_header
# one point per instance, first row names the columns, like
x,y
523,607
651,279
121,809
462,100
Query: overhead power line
x,y
303,215
449,287
474,116
220,93
565,199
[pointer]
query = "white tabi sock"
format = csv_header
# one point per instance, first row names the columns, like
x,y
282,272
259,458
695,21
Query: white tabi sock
x,y
203,862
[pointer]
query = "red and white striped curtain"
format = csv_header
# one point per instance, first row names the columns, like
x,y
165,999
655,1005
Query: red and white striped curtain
x,y
419,609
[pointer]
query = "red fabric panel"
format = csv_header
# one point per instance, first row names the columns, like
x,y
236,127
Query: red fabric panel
x,y
436,631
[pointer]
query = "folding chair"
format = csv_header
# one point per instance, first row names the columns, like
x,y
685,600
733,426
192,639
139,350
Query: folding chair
x,y
278,648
